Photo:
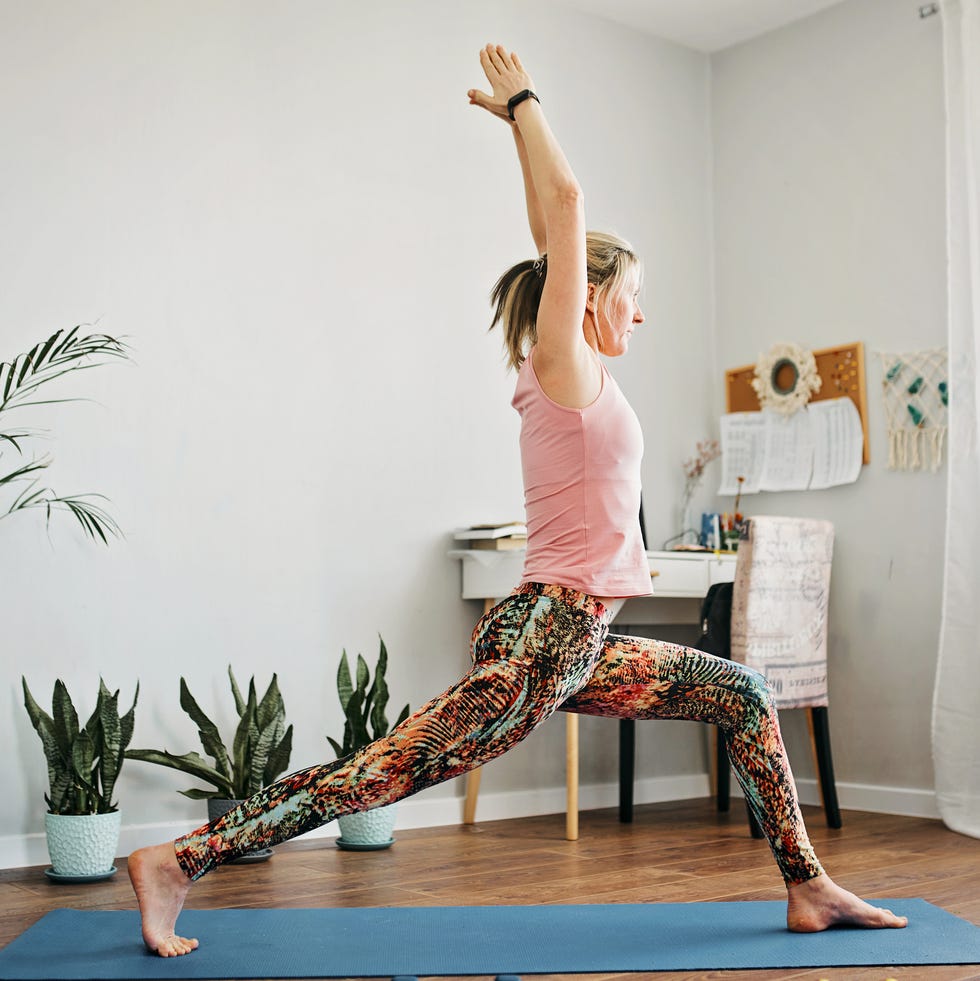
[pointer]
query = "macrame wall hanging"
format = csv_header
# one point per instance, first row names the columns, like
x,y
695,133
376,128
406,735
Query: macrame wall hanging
x,y
915,390
785,378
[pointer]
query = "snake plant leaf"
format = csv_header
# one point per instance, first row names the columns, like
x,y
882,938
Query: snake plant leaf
x,y
358,724
362,675
207,731
196,793
344,685
126,725
110,730
269,706
83,759
246,736
236,694
402,716
341,751
65,717
191,763
265,742
58,760
278,761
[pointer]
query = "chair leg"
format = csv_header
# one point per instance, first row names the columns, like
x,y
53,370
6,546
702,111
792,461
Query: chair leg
x,y
571,776
472,793
820,738
627,768
723,773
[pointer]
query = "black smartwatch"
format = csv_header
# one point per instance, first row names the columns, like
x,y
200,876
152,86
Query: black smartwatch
x,y
515,101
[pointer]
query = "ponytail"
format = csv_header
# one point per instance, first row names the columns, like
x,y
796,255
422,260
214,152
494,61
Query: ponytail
x,y
611,266
515,299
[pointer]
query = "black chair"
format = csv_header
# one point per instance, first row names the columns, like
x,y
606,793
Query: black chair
x,y
777,558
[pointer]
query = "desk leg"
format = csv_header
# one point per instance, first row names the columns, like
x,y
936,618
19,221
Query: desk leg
x,y
571,776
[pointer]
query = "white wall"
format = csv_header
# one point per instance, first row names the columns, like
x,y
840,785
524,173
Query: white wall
x,y
293,214
295,218
828,144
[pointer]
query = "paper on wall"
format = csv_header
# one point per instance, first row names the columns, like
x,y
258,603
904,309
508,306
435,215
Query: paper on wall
x,y
788,451
839,443
818,447
743,437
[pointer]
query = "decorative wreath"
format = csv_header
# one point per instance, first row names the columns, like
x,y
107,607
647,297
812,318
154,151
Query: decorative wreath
x,y
786,378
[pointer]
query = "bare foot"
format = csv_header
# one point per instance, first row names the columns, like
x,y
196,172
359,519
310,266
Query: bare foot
x,y
820,903
160,886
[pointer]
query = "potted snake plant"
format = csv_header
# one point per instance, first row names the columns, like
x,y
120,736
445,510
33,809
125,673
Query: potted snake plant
x,y
260,751
84,762
364,702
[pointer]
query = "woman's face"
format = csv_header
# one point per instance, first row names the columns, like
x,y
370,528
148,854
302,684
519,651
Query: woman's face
x,y
617,317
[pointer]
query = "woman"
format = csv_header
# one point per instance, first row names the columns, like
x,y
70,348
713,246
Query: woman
x,y
546,646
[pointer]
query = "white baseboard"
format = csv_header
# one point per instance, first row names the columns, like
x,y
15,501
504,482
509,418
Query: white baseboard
x,y
20,851
906,801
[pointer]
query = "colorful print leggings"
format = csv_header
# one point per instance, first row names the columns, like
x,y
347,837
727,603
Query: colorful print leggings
x,y
543,648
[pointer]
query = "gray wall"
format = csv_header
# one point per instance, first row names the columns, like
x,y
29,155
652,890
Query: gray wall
x,y
296,219
828,141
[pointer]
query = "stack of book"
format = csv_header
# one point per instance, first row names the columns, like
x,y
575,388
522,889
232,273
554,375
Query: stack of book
x,y
494,537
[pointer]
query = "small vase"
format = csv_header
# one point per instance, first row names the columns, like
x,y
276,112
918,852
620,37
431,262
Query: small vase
x,y
368,830
83,844
686,523
218,806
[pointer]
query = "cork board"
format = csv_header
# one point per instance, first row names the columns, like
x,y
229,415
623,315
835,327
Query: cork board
x,y
841,370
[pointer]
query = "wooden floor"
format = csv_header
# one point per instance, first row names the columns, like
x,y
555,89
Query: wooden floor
x,y
673,852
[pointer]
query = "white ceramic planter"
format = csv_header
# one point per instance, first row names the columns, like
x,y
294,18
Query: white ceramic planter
x,y
368,830
82,844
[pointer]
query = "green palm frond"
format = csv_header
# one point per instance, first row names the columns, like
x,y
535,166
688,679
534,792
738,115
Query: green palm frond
x,y
61,353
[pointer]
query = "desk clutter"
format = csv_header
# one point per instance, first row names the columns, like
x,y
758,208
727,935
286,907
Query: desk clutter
x,y
495,538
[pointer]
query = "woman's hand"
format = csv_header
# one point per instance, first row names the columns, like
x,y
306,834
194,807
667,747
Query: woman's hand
x,y
506,76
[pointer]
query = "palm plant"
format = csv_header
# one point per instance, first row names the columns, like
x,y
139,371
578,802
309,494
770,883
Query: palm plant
x,y
20,380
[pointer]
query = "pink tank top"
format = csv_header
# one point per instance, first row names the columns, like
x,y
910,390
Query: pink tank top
x,y
582,490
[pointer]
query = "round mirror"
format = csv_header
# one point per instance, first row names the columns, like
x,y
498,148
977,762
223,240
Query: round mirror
x,y
784,377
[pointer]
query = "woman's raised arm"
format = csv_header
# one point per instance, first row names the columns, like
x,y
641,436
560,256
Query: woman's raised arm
x,y
556,197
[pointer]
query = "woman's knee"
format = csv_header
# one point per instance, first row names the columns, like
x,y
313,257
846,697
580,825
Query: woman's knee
x,y
755,692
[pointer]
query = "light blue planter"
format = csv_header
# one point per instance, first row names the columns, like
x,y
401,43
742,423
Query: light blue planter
x,y
82,844
368,830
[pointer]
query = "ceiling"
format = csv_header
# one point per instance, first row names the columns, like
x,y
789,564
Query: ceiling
x,y
705,25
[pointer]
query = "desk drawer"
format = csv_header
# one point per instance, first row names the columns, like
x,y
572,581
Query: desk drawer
x,y
679,577
489,574
721,570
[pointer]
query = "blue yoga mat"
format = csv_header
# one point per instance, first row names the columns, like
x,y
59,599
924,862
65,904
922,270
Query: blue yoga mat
x,y
381,942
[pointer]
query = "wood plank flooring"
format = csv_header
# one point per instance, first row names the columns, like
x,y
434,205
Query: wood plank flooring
x,y
673,852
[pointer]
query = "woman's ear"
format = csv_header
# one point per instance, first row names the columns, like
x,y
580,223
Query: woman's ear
x,y
590,299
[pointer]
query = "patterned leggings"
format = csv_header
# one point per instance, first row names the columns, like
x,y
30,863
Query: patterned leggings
x,y
541,649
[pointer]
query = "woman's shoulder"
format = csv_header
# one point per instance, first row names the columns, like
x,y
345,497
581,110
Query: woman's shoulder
x,y
571,378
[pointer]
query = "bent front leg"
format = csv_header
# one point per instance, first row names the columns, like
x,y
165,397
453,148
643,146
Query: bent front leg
x,y
530,654
639,678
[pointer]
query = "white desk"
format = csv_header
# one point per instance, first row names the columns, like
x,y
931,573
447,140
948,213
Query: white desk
x,y
680,581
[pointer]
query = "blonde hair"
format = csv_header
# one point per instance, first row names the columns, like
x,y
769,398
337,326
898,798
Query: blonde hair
x,y
610,264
